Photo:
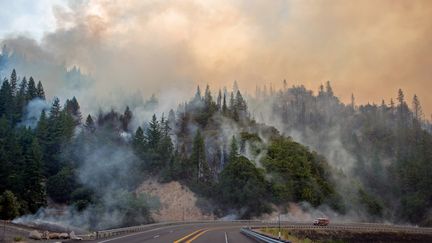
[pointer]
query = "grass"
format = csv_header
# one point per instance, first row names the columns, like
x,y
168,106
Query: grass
x,y
286,235
18,239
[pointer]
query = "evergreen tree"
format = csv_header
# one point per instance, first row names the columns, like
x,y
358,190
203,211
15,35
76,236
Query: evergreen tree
x,y
224,105
139,143
40,91
126,118
13,82
198,158
90,124
153,133
34,188
139,139
417,109
235,87
234,149
243,186
329,89
31,89
42,130
73,109
219,100
401,97
6,100
197,99
165,148
21,99
54,140
9,206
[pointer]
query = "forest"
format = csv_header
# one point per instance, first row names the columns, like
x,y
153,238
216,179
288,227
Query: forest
x,y
220,146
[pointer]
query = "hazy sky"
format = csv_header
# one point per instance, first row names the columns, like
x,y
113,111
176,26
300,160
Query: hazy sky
x,y
369,48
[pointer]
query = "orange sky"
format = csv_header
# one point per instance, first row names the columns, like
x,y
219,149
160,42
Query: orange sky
x,y
369,48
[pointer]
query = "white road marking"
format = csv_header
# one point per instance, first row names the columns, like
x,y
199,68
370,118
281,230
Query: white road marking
x,y
121,237
156,236
226,238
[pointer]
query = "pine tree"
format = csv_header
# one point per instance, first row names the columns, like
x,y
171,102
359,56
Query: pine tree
x,y
40,91
42,130
171,118
55,137
197,98
235,87
165,147
153,133
6,100
321,91
329,89
240,107
31,89
352,101
401,97
73,109
139,139
417,109
224,106
90,124
219,100
21,99
33,184
126,118
234,149
198,158
13,82
139,143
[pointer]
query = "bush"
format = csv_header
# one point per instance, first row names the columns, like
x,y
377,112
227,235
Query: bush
x,y
9,206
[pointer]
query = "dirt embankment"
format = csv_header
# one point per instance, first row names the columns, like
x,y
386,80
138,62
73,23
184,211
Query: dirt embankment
x,y
177,201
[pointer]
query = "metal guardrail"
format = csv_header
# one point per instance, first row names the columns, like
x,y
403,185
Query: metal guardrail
x,y
120,231
261,237
284,224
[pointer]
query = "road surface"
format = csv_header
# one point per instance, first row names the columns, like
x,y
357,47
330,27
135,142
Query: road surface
x,y
226,232
197,233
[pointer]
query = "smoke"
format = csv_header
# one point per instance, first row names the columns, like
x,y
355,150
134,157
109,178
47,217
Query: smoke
x,y
32,112
154,46
108,170
303,212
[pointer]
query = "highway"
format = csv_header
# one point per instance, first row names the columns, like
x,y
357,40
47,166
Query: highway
x,y
198,233
225,232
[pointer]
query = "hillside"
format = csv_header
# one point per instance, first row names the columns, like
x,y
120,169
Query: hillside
x,y
215,153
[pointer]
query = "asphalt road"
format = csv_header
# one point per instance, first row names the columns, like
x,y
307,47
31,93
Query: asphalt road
x,y
225,232
197,233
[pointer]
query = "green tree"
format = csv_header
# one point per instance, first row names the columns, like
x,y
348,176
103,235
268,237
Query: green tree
x,y
40,91
21,99
9,206
13,82
233,155
153,133
73,109
6,100
60,186
126,118
33,183
31,89
90,124
198,159
243,187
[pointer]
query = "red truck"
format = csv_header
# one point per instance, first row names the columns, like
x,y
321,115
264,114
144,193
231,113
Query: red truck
x,y
321,221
